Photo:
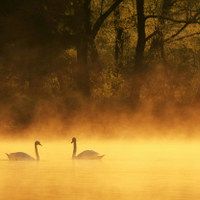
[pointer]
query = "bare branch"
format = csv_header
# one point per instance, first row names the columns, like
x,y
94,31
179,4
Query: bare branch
x,y
102,6
180,30
191,21
186,36
194,19
102,18
151,35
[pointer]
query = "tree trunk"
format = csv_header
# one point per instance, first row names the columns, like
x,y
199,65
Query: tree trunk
x,y
86,45
139,69
82,14
139,56
119,43
157,44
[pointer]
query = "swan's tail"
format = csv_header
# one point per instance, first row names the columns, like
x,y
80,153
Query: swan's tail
x,y
100,157
7,155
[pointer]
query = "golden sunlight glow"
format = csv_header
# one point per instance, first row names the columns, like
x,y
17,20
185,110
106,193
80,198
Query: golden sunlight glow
x,y
130,170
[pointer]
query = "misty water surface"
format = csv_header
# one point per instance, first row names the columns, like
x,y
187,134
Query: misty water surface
x,y
130,170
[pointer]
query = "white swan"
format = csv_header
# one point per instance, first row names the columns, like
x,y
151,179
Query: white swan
x,y
88,154
24,156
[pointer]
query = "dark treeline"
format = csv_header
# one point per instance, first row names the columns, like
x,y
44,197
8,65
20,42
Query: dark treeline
x,y
116,53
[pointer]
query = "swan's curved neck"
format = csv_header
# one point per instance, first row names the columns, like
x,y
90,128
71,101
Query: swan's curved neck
x,y
36,152
74,151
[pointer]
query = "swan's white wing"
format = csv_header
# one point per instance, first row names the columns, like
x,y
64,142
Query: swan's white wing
x,y
88,154
19,156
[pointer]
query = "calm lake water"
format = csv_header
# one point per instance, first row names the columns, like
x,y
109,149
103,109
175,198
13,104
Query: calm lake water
x,y
139,170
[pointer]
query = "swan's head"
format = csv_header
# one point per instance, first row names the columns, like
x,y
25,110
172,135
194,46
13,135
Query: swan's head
x,y
73,140
38,143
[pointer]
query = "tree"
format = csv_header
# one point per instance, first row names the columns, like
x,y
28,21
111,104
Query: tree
x,y
119,41
182,14
86,34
